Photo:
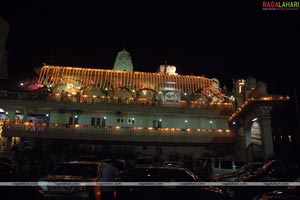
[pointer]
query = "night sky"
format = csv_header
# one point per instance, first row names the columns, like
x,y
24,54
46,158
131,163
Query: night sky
x,y
224,40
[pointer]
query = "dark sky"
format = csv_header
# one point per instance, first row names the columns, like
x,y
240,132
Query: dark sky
x,y
224,40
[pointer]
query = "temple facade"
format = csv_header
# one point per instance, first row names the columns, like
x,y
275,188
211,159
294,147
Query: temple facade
x,y
158,114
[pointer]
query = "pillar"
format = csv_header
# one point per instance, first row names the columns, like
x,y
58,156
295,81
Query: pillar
x,y
242,143
238,128
266,129
10,114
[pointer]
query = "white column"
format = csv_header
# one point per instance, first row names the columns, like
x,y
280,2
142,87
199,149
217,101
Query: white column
x,y
10,114
268,149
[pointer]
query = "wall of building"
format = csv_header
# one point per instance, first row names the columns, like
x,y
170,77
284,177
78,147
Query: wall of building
x,y
140,120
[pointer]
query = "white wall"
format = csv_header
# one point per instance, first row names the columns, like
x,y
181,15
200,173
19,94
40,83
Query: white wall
x,y
172,121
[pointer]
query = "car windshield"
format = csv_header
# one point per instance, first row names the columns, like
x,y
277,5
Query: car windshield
x,y
72,169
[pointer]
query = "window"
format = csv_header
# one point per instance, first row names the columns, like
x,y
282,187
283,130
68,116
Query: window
x,y
93,120
158,150
71,120
154,124
216,165
226,164
130,121
119,120
98,121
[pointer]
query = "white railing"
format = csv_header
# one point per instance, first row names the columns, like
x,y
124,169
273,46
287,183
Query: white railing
x,y
92,99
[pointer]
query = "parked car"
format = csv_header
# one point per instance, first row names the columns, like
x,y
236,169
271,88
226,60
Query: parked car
x,y
168,176
272,171
171,163
224,166
144,161
77,171
247,169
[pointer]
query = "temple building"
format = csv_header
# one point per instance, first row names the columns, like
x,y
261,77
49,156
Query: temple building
x,y
145,113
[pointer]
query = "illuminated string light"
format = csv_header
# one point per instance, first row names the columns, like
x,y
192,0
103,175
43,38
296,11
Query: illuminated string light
x,y
111,79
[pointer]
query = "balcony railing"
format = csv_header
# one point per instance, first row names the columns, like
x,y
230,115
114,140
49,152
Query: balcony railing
x,y
117,133
225,108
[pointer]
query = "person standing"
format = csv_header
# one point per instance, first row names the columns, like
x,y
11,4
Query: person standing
x,y
110,173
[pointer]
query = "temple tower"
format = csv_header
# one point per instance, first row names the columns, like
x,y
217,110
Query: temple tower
x,y
123,61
